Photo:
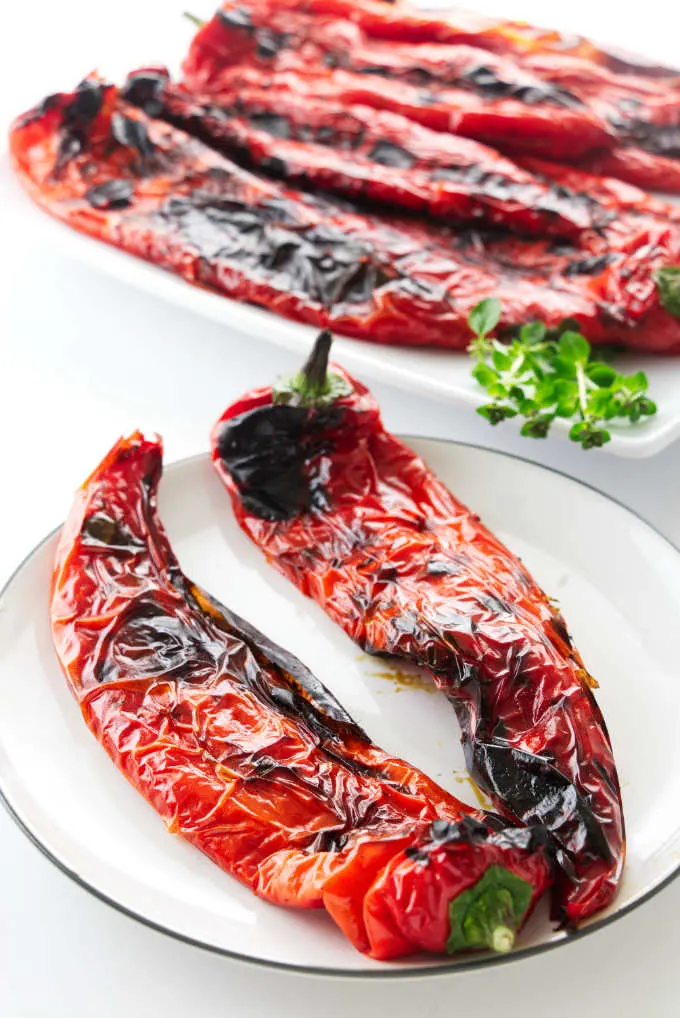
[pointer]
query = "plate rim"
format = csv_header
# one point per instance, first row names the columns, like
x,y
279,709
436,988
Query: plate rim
x,y
448,967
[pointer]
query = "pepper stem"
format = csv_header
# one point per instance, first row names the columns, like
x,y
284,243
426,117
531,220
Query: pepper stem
x,y
193,18
316,366
313,386
488,914
502,939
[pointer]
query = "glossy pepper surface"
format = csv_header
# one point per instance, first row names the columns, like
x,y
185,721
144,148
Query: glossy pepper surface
x,y
244,753
558,104
368,155
400,22
348,513
534,116
109,169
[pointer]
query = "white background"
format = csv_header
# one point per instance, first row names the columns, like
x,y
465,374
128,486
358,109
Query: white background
x,y
83,359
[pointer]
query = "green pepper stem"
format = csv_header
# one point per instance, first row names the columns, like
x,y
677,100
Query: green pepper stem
x,y
193,18
316,367
502,939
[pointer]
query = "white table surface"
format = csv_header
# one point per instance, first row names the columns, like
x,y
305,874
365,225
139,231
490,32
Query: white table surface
x,y
84,359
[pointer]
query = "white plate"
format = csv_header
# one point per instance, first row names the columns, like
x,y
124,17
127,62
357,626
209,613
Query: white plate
x,y
619,584
442,374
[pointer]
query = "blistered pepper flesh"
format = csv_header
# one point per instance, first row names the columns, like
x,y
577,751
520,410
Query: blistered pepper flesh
x,y
110,170
244,753
369,156
358,522
559,101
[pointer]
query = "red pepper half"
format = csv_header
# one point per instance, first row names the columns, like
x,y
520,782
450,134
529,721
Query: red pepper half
x,y
244,753
255,33
515,102
399,22
355,520
106,168
368,155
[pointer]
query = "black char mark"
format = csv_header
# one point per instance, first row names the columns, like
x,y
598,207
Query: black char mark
x,y
269,453
537,793
590,266
303,682
661,139
101,531
112,194
487,83
236,17
132,134
320,261
388,154
77,118
145,89
482,80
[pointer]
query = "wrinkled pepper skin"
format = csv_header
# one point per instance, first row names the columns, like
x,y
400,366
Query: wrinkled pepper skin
x,y
556,105
108,169
400,22
241,750
356,521
370,156
258,34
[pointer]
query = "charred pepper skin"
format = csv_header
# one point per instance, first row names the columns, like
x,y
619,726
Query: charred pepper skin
x,y
457,85
356,521
258,34
110,170
400,22
369,156
243,752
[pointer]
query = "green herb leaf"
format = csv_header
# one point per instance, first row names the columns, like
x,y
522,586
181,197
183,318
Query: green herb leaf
x,y
489,914
501,360
496,412
667,282
602,374
537,426
543,375
574,347
636,383
483,374
485,316
532,333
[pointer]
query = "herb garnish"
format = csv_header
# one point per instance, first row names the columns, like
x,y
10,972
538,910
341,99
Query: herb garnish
x,y
541,376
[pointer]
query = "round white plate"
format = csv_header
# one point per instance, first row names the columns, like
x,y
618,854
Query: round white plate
x,y
619,585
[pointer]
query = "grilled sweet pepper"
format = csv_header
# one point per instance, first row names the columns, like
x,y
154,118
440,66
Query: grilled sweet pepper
x,y
532,115
244,753
357,521
108,169
558,105
399,22
368,155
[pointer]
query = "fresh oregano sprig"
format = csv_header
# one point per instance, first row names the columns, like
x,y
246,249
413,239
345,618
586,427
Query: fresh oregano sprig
x,y
541,376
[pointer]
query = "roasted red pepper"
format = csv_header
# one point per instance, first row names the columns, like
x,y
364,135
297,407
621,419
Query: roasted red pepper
x,y
358,522
108,169
243,752
519,101
368,155
643,169
255,33
400,22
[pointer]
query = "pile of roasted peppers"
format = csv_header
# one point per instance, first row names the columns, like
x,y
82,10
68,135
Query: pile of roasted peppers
x,y
365,167
242,751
